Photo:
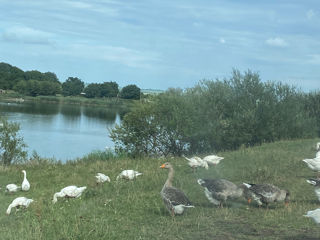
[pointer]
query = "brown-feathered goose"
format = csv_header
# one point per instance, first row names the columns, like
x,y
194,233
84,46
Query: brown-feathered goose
x,y
219,190
174,199
266,193
316,184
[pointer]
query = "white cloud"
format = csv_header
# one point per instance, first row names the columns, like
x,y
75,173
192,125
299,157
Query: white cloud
x,y
222,40
101,8
310,14
26,35
314,59
276,42
122,55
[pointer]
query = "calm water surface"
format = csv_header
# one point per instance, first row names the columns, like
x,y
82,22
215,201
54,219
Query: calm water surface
x,y
60,131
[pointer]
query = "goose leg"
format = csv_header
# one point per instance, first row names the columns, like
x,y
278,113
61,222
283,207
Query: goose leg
x,y
172,213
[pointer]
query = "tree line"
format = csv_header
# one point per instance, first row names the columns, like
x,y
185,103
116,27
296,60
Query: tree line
x,y
34,83
217,116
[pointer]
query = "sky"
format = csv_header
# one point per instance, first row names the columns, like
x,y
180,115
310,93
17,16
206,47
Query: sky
x,y
165,43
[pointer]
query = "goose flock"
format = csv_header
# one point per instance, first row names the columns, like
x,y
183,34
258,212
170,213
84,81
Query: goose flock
x,y
314,164
217,191
67,192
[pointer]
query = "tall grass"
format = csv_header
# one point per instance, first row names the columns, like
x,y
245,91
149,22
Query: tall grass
x,y
134,209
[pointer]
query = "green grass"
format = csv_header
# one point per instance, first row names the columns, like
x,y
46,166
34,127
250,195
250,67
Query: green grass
x,y
134,209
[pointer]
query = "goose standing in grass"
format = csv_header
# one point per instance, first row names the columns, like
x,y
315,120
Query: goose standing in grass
x,y
318,150
213,159
128,174
196,162
69,192
101,178
219,190
314,214
174,199
12,188
313,164
316,184
25,186
266,193
18,202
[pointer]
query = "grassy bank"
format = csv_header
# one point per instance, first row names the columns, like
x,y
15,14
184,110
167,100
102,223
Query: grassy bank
x,y
108,102
134,210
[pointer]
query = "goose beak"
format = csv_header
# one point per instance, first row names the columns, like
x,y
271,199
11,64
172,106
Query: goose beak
x,y
162,166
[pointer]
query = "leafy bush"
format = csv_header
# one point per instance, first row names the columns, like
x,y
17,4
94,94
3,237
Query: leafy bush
x,y
11,145
130,92
214,116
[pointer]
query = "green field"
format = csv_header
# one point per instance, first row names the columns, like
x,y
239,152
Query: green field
x,y
134,209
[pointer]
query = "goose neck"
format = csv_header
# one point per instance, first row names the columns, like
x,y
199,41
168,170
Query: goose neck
x,y
170,177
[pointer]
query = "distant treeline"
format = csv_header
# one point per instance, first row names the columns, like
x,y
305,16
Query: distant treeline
x,y
219,115
34,83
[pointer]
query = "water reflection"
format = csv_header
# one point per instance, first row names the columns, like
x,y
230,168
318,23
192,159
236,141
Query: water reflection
x,y
30,108
108,114
63,131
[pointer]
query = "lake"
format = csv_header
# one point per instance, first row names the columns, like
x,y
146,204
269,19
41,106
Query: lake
x,y
60,131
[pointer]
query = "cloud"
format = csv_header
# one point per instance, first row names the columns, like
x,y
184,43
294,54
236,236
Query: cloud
x,y
95,7
26,35
276,42
314,59
222,40
310,14
122,55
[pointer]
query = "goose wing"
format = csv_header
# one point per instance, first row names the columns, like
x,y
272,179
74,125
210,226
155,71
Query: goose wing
x,y
175,196
217,185
266,191
314,182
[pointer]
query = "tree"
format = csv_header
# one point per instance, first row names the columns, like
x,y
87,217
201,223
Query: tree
x,y
92,90
34,75
48,88
72,86
33,88
11,145
217,115
109,89
51,77
130,92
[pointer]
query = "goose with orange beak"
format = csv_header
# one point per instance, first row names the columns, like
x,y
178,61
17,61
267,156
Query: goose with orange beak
x,y
174,199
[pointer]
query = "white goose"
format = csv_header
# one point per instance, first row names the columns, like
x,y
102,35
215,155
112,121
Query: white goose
x,y
25,186
20,201
101,178
313,164
316,184
314,214
196,162
12,188
318,150
128,174
213,159
69,192
174,199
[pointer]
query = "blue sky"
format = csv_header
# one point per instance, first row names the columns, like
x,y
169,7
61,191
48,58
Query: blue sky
x,y
164,43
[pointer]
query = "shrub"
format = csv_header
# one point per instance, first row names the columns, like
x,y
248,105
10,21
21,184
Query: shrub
x,y
214,116
11,145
